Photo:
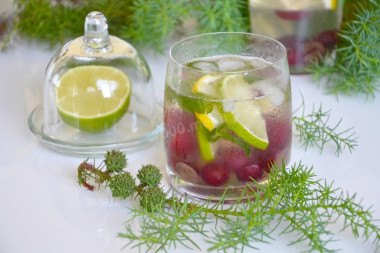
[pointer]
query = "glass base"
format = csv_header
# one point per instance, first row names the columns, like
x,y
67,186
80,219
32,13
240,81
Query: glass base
x,y
230,194
127,137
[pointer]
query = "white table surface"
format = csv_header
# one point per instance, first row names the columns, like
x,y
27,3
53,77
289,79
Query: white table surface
x,y
43,209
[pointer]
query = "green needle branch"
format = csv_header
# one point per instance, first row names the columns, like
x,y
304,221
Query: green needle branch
x,y
143,23
355,69
292,196
314,130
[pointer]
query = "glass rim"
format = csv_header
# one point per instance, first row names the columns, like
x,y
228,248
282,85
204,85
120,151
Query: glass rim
x,y
281,57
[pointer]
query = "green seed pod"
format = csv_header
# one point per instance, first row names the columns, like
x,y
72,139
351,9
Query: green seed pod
x,y
152,198
122,185
149,175
115,161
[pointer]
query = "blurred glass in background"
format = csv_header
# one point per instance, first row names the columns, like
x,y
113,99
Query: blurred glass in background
x,y
307,28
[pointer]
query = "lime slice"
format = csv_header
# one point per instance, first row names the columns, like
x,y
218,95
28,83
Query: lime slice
x,y
246,121
244,118
206,85
235,87
210,120
205,146
92,98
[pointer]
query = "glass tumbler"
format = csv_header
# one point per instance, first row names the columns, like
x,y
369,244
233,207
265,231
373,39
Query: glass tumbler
x,y
227,112
307,28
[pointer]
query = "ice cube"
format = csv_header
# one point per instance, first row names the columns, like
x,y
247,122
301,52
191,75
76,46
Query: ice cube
x,y
231,64
267,88
228,106
209,66
261,70
258,62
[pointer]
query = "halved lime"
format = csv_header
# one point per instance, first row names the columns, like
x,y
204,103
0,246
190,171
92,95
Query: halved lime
x,y
92,98
205,146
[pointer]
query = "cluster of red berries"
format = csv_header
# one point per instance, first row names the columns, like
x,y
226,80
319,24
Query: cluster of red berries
x,y
302,51
183,153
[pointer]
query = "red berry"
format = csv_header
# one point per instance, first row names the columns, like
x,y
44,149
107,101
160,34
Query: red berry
x,y
182,145
327,38
292,15
279,132
267,162
280,137
176,120
249,172
294,56
294,48
234,158
215,175
180,135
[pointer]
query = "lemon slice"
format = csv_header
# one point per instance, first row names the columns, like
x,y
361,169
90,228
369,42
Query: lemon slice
x,y
92,98
246,121
205,146
206,85
330,4
235,87
210,120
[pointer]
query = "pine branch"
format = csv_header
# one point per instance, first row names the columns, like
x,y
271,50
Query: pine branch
x,y
143,23
291,196
154,22
314,130
356,67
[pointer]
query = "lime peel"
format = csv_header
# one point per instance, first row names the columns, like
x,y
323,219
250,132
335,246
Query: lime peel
x,y
246,121
205,146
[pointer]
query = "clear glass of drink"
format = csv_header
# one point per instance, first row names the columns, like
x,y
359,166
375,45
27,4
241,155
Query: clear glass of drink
x,y
227,112
307,28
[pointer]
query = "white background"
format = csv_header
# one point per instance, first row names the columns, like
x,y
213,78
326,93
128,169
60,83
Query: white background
x,y
43,209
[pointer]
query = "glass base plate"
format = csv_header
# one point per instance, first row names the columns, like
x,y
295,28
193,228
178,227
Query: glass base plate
x,y
81,143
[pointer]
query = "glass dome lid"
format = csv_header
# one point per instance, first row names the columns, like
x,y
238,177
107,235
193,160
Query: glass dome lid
x,y
97,95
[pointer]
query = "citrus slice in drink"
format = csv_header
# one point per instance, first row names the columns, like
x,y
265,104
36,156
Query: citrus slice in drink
x,y
235,87
92,98
210,120
246,121
205,146
206,85
243,117
330,4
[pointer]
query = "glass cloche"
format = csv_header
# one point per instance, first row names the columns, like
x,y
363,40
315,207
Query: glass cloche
x,y
97,95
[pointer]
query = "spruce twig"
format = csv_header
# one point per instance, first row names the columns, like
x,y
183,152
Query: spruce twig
x,y
292,196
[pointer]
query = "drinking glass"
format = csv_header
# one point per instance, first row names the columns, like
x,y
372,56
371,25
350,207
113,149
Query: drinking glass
x,y
307,28
227,112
